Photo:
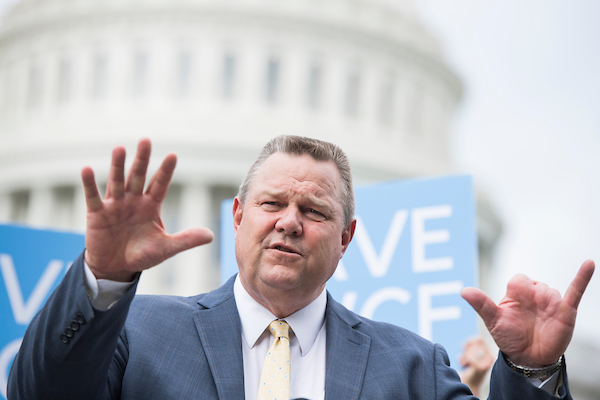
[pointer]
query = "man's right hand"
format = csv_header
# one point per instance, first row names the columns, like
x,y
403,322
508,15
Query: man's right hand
x,y
125,233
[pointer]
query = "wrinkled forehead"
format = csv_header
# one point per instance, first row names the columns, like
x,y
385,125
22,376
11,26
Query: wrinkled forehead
x,y
301,171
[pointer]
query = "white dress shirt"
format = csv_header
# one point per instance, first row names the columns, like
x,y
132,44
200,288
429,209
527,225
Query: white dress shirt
x,y
307,342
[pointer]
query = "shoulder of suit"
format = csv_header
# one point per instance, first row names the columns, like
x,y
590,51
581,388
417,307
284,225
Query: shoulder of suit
x,y
376,329
143,303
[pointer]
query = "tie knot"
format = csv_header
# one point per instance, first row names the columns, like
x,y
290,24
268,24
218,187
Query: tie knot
x,y
279,329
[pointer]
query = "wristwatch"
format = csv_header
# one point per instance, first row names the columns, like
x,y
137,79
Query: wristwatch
x,y
534,372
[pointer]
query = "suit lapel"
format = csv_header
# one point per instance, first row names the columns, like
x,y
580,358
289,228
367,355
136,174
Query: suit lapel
x,y
219,330
347,353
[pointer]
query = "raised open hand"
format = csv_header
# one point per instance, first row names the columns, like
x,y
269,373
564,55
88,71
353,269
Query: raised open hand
x,y
532,325
125,233
476,361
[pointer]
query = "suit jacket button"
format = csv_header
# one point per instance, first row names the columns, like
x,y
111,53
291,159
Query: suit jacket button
x,y
80,319
74,325
64,338
69,332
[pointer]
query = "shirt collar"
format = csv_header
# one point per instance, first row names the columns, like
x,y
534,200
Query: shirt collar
x,y
255,318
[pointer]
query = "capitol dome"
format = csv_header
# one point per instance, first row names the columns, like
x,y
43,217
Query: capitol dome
x,y
213,80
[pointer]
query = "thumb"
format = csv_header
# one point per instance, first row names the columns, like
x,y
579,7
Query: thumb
x,y
188,239
482,304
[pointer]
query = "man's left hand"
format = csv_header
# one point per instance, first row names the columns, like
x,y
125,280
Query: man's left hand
x,y
533,324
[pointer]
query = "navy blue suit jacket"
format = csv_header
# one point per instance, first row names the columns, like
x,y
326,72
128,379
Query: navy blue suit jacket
x,y
164,347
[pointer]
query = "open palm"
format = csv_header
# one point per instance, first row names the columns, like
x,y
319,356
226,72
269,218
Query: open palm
x,y
125,233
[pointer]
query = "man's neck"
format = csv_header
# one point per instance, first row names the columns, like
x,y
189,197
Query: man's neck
x,y
282,303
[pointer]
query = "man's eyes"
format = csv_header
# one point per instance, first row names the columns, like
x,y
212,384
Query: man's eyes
x,y
316,215
313,213
271,205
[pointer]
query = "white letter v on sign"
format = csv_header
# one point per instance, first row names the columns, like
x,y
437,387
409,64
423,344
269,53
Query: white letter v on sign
x,y
24,311
378,264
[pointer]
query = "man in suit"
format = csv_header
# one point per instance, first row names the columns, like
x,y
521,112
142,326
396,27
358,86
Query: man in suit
x,y
293,220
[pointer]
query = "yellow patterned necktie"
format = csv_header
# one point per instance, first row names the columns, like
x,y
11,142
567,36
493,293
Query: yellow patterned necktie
x,y
275,377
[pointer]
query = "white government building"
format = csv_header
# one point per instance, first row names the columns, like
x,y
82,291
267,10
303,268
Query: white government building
x,y
213,80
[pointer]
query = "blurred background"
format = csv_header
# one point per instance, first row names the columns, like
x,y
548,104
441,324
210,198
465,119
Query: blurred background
x,y
507,91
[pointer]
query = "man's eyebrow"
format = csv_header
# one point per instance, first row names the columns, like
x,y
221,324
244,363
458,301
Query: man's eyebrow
x,y
315,200
271,192
320,203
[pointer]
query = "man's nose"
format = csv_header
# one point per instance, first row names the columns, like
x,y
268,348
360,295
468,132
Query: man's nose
x,y
290,222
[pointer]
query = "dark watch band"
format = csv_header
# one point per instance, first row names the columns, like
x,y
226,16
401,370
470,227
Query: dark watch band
x,y
535,372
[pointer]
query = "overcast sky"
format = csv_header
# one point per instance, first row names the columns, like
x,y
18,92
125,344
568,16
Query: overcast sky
x,y
4,4
528,129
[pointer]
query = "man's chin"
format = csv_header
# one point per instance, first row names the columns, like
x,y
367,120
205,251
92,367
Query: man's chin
x,y
282,278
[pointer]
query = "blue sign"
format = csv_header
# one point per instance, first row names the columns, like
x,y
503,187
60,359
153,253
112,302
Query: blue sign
x,y
32,264
414,249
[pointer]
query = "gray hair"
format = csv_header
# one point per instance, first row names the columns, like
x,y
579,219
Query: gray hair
x,y
318,150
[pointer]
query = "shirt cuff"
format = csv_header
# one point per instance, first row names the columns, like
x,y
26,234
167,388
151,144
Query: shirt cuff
x,y
103,293
548,385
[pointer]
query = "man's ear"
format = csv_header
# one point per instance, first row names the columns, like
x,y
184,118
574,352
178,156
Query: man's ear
x,y
237,214
347,235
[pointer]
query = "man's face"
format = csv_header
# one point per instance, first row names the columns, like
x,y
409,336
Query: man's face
x,y
290,234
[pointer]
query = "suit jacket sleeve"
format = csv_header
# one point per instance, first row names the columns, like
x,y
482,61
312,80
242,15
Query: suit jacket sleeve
x,y
69,347
508,385
505,384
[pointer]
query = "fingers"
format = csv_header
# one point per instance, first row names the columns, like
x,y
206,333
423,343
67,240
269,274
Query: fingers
x,y
476,353
577,287
116,174
159,184
481,303
117,186
136,178
92,196
466,357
